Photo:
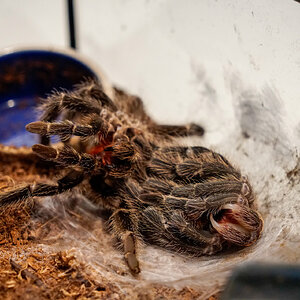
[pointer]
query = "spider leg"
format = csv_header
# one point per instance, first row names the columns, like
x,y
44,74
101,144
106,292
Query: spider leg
x,y
207,189
184,152
55,103
88,99
161,167
182,198
122,228
94,90
195,153
173,233
191,164
117,160
198,170
174,229
177,130
66,156
71,102
194,198
65,129
180,227
22,193
132,105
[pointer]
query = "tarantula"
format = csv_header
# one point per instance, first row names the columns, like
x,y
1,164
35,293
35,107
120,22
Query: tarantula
x,y
186,199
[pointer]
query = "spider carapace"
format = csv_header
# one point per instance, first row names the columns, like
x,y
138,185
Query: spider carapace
x,y
190,200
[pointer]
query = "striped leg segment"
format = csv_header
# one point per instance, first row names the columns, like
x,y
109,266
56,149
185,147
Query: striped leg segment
x,y
87,99
177,130
66,129
67,156
22,193
95,91
174,233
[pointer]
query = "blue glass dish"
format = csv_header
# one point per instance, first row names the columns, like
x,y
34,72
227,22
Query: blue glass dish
x,y
26,77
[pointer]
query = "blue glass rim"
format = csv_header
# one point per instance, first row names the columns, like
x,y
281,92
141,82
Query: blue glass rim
x,y
26,75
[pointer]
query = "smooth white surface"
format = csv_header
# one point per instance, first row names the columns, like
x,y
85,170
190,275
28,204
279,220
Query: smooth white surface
x,y
161,50
32,22
158,48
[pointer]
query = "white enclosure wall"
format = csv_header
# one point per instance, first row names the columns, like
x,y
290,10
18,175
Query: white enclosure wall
x,y
166,49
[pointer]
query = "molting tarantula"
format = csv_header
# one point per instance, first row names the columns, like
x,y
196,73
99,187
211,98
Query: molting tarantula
x,y
186,199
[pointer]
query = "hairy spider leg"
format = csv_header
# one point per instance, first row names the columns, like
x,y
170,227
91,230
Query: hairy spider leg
x,y
65,129
177,130
67,156
94,90
170,229
204,166
21,193
194,198
169,233
133,105
87,100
